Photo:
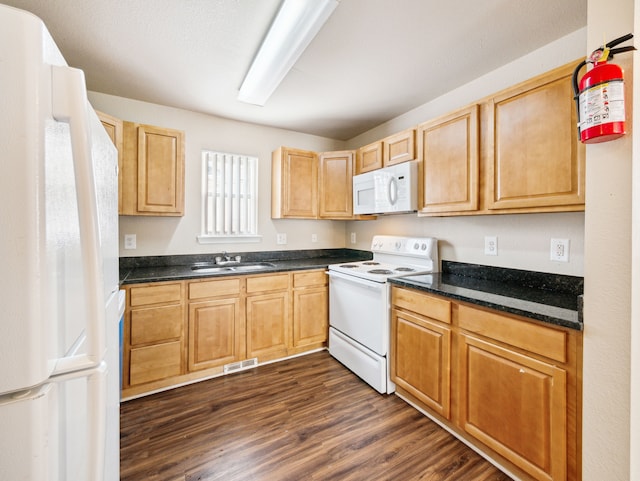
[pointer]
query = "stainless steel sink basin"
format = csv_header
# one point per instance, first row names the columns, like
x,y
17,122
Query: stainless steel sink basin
x,y
242,267
252,267
210,269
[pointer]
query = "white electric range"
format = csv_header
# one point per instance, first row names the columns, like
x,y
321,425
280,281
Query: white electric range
x,y
359,304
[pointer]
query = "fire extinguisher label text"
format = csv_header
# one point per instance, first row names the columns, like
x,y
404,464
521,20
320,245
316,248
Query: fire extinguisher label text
x,y
602,104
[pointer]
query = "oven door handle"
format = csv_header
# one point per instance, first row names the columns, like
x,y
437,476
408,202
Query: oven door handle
x,y
378,286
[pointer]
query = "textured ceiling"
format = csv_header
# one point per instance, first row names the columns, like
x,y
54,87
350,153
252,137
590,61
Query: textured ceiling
x,y
373,60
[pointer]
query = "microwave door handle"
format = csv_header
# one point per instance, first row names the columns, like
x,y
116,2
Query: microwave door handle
x,y
392,191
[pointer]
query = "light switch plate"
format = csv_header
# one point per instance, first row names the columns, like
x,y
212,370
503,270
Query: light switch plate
x,y
281,239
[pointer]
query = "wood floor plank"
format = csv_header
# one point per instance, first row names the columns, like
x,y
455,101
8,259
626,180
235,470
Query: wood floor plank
x,y
307,418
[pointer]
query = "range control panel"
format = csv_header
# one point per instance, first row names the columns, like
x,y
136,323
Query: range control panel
x,y
408,246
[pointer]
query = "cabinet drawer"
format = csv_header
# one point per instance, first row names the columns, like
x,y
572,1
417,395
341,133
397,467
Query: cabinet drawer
x,y
534,338
424,304
156,294
156,324
214,288
152,363
305,279
267,283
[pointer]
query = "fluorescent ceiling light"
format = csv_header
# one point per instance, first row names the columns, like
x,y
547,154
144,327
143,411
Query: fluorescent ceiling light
x,y
296,24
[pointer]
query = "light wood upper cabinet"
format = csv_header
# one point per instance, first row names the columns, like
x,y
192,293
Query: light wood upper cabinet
x,y
534,157
398,148
153,171
448,150
336,186
114,129
369,158
294,184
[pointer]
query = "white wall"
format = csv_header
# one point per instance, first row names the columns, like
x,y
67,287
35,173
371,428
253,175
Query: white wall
x,y
177,235
608,288
523,240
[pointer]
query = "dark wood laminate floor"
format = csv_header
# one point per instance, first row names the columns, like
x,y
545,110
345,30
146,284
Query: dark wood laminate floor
x,y
307,418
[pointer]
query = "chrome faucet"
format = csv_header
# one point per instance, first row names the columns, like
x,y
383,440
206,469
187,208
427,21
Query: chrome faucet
x,y
226,258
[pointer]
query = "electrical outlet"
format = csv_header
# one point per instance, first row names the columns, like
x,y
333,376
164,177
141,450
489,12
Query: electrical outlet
x,y
559,250
353,237
314,237
490,246
281,239
129,241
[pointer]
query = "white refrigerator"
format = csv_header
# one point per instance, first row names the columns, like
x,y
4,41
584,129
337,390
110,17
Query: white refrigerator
x,y
59,297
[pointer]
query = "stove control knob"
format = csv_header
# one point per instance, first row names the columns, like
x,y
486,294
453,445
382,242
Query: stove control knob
x,y
424,247
416,246
398,245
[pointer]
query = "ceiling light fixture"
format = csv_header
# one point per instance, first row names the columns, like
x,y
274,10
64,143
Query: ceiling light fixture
x,y
295,25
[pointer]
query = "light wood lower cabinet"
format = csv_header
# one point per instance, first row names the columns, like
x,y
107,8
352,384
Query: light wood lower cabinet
x,y
268,323
516,405
182,331
310,310
422,362
507,385
154,332
216,323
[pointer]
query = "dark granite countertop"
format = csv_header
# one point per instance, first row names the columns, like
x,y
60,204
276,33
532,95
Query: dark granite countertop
x,y
165,268
552,298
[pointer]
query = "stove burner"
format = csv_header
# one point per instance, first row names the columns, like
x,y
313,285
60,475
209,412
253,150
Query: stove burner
x,y
380,271
371,263
349,266
404,269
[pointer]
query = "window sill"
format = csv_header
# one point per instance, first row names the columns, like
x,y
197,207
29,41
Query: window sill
x,y
226,239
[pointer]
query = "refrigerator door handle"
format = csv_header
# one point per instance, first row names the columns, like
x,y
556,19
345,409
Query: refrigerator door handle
x,y
70,105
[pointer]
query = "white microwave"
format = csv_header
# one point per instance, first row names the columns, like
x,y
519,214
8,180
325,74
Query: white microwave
x,y
391,190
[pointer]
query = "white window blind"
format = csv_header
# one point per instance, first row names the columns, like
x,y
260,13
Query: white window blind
x,y
230,196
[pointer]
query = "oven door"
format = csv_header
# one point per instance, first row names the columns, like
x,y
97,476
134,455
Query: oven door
x,y
359,308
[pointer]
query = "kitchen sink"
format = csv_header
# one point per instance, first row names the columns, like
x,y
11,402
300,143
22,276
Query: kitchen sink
x,y
210,269
252,267
241,267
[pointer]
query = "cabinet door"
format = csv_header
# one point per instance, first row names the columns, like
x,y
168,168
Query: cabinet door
x,y
216,333
114,129
155,362
421,359
294,188
448,148
516,405
310,316
268,331
535,157
399,148
369,158
336,185
153,170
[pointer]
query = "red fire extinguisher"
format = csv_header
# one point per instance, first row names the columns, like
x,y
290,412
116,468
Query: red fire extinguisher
x,y
599,95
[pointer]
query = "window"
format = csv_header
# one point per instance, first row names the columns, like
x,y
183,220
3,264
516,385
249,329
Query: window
x,y
229,198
